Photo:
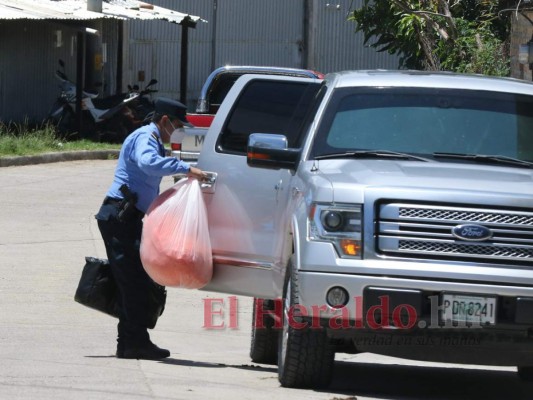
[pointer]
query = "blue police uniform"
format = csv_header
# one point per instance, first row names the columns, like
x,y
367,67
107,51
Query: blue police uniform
x,y
141,166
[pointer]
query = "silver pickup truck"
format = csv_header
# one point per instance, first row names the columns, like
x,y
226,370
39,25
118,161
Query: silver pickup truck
x,y
376,211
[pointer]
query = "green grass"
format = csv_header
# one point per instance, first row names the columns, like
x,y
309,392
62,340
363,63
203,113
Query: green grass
x,y
23,141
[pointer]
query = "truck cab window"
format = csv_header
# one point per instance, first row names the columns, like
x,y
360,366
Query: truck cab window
x,y
267,107
221,87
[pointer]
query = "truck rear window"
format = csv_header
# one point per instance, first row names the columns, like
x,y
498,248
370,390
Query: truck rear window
x,y
267,107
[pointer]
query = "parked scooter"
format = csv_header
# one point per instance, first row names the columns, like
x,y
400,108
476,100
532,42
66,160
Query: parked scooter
x,y
108,119
143,106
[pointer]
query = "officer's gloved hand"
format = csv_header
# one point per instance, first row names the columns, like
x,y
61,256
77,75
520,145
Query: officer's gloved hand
x,y
197,173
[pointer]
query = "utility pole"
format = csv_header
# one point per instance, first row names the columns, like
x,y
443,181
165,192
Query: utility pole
x,y
310,31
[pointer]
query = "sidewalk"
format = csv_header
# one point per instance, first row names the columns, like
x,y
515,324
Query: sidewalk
x,y
59,156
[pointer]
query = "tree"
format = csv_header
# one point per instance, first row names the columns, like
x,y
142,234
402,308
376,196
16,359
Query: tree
x,y
454,35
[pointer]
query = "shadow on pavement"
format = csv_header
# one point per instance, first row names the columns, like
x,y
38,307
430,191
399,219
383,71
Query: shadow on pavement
x,y
189,363
201,364
403,382
431,383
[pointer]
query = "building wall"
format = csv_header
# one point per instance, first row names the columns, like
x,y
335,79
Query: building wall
x,y
245,32
29,58
337,46
154,51
297,33
311,34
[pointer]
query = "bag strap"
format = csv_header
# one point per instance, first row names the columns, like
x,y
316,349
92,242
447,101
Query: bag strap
x,y
160,144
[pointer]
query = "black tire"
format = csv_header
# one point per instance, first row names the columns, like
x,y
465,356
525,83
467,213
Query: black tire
x,y
113,131
525,373
305,356
88,127
264,343
65,123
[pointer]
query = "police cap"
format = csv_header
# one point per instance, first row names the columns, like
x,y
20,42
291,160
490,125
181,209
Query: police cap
x,y
173,109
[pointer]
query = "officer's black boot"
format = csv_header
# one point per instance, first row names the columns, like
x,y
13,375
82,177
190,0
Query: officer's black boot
x,y
146,351
134,343
120,342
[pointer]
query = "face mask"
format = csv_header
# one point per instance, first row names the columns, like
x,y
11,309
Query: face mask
x,y
173,127
177,134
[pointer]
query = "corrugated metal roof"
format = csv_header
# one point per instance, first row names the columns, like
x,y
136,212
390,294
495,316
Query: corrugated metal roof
x,y
77,10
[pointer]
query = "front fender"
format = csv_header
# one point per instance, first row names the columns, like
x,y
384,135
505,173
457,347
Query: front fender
x,y
297,231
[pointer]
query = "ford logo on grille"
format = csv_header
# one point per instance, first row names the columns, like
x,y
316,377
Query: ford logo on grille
x,y
472,233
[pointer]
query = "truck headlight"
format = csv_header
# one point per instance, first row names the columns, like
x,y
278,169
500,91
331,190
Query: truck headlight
x,y
340,224
332,220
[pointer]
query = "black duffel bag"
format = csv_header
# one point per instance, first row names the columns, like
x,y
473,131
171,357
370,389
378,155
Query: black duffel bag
x,y
97,290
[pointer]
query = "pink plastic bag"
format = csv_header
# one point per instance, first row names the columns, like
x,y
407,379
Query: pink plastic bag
x,y
175,244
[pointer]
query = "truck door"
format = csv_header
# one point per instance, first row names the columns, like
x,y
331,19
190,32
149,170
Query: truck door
x,y
246,205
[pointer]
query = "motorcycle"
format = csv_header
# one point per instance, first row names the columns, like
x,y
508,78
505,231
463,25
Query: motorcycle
x,y
143,107
109,119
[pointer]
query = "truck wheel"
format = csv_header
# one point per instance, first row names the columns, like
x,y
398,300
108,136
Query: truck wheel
x,y
264,344
305,355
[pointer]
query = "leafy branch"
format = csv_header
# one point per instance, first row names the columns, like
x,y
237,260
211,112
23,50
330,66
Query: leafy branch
x,y
465,36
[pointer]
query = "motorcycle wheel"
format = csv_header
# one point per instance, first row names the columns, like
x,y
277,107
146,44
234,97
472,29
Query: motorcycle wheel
x,y
65,123
113,132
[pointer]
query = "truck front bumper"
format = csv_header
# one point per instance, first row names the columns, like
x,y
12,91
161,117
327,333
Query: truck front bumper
x,y
404,318
422,299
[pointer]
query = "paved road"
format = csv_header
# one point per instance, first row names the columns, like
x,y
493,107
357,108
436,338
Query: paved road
x,y
54,348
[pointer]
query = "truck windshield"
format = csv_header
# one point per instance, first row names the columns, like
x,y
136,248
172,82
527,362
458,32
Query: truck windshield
x,y
426,121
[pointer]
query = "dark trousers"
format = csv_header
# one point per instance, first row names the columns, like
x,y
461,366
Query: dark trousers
x,y
122,242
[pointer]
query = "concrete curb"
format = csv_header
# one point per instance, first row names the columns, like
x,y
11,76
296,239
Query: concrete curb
x,y
59,157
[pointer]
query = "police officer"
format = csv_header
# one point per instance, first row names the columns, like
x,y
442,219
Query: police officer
x,y
141,165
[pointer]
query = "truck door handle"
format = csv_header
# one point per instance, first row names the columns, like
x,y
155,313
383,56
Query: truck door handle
x,y
296,192
208,186
278,187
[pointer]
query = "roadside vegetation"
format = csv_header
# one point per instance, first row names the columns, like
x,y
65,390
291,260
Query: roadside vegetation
x,y
22,140
468,36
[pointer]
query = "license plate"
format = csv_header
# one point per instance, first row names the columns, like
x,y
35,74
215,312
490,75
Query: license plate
x,y
193,139
192,143
468,309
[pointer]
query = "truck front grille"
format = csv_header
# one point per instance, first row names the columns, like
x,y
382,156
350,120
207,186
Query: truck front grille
x,y
425,231
467,216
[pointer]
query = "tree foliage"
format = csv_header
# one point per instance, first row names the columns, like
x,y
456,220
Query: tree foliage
x,y
453,35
